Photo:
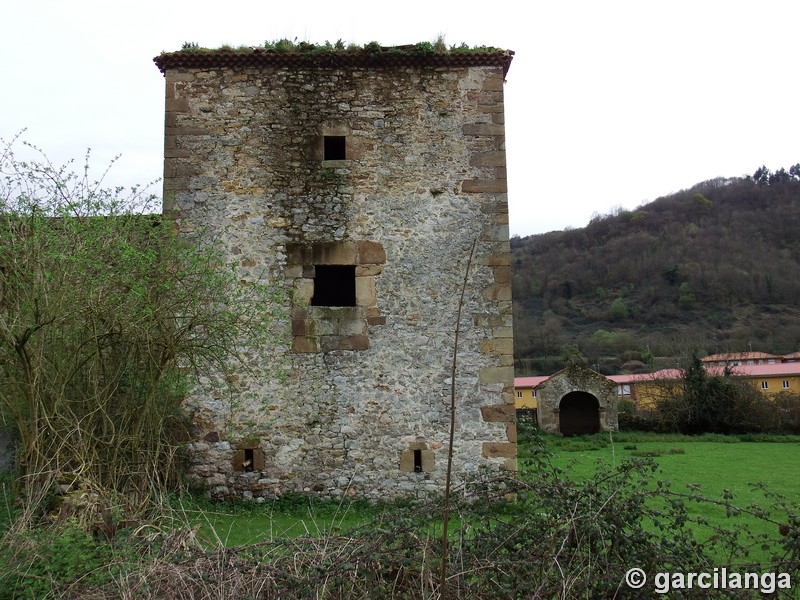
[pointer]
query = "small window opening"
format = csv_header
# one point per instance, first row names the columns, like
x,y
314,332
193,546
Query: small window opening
x,y
247,463
334,285
333,147
417,461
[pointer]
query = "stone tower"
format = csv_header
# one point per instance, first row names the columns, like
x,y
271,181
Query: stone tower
x,y
354,183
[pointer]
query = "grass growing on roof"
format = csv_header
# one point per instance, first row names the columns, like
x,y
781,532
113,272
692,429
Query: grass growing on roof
x,y
286,45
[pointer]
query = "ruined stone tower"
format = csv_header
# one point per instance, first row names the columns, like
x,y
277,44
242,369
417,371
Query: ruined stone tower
x,y
354,183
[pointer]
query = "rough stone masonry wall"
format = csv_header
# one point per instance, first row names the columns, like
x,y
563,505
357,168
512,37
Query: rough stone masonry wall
x,y
352,400
576,378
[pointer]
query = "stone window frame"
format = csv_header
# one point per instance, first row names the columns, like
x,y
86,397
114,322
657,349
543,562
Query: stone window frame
x,y
327,328
259,459
427,459
353,145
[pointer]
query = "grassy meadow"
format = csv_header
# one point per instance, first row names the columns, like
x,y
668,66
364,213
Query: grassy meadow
x,y
729,469
719,465
737,470
754,474
243,523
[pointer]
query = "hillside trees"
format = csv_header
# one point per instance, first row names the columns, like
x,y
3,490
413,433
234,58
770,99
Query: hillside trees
x,y
721,258
106,317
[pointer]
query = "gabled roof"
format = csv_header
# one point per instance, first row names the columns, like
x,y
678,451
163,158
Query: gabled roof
x,y
530,382
662,375
732,356
774,370
786,369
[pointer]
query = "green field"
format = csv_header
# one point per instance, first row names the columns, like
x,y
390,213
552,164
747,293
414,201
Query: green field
x,y
722,469
753,476
243,523
716,463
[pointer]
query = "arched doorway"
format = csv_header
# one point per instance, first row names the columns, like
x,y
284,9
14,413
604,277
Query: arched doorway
x,y
578,414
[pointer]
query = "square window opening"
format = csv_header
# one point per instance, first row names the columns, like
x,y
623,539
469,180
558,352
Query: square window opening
x,y
333,147
334,285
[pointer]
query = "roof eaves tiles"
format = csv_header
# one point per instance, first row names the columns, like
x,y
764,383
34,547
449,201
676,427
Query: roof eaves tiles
x,y
258,57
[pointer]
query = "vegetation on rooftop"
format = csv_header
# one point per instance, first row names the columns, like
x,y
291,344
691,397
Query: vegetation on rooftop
x,y
285,45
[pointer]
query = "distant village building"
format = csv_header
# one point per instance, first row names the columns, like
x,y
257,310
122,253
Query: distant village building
x,y
354,183
544,396
734,359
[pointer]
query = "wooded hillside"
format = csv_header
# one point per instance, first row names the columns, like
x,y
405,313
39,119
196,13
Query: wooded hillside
x,y
715,267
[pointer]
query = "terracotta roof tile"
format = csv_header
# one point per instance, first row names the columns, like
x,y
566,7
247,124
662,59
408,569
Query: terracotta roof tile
x,y
775,370
530,382
729,356
386,57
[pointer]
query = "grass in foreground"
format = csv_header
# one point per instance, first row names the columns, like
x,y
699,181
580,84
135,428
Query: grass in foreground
x,y
572,531
744,480
241,523
722,468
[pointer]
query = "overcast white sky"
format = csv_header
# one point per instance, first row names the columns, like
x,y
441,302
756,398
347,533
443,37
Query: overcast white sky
x,y
608,104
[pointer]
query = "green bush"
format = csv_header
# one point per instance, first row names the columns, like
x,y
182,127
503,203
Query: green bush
x,y
47,561
714,404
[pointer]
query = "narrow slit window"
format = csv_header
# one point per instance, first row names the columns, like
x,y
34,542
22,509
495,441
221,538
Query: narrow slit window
x,y
334,285
333,147
417,461
249,456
